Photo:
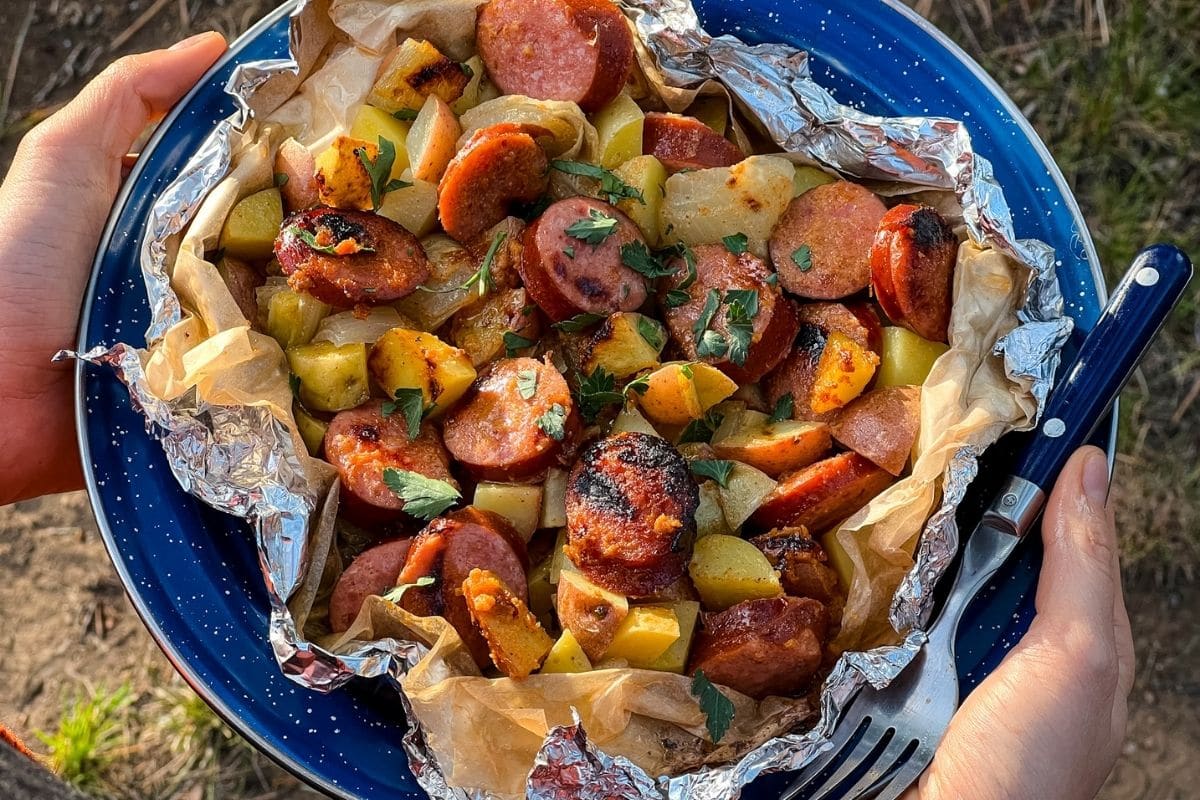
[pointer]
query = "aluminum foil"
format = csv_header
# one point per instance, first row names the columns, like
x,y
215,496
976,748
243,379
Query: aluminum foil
x,y
241,461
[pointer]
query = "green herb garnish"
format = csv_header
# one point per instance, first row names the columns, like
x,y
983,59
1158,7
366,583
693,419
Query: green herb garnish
x,y
711,468
613,188
405,114
410,402
718,709
527,381
514,342
281,180
554,422
737,244
593,230
395,594
578,323
802,257
702,430
424,498
784,407
638,258
328,249
379,170
653,332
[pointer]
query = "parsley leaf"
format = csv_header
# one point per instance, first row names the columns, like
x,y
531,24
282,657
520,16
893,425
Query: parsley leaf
x,y
397,592
379,170
405,114
578,323
328,249
711,345
783,408
652,331
743,308
743,303
514,342
468,70
676,298
702,430
412,404
593,230
294,383
281,179
613,188
639,386
718,709
596,392
737,244
712,301
483,276
638,258
802,257
569,252
554,422
527,381
424,498
772,279
711,468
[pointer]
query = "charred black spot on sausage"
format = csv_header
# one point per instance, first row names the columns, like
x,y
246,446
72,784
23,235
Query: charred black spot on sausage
x,y
590,288
367,433
929,229
597,490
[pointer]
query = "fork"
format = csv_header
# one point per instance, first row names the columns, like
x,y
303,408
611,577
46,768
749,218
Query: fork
x,y
886,738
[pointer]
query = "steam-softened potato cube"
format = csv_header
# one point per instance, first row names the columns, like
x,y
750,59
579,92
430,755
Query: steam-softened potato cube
x,y
630,420
293,317
433,140
312,430
648,176
414,71
566,656
520,504
845,369
907,358
554,499
619,126
590,612
710,517
743,493
342,178
624,344
807,177
252,226
414,207
516,640
372,124
644,635
774,448
406,359
331,378
478,89
727,570
674,658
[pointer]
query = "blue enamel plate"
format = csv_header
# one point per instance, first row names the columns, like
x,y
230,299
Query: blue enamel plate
x,y
193,573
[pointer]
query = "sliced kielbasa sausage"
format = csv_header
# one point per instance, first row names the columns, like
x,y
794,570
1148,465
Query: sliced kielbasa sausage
x,y
513,422
372,572
498,168
687,143
361,443
823,494
821,247
912,269
572,261
631,514
802,563
350,258
577,50
763,648
736,280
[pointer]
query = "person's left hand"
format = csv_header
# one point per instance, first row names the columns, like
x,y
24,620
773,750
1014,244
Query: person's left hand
x,y
56,198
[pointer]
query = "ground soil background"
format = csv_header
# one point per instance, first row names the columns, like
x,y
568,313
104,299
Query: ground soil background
x,y
1112,87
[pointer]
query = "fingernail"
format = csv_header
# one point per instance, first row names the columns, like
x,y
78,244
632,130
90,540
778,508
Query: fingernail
x,y
191,41
1095,479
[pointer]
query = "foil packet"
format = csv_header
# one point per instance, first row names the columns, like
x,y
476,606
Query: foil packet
x,y
242,460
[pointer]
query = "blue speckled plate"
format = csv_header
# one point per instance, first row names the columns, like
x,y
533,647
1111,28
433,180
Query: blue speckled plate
x,y
192,572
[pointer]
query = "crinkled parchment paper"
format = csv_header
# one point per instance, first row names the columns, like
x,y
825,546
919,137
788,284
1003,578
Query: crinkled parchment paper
x,y
215,392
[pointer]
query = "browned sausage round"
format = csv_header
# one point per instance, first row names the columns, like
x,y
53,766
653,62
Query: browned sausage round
x,y
447,550
577,50
372,572
821,247
565,275
823,494
498,167
763,648
802,563
631,514
687,143
361,443
774,325
495,431
359,258
912,269
882,425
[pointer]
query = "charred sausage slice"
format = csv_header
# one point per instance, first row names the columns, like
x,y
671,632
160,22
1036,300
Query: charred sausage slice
x,y
822,245
506,428
350,258
822,495
361,443
763,648
566,274
631,514
687,143
802,563
577,50
912,269
373,572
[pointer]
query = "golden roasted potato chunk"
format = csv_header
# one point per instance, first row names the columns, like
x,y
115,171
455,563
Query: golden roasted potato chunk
x,y
626,343
619,127
433,140
312,430
342,178
773,447
845,369
294,317
330,378
516,641
907,359
678,393
414,71
645,634
674,658
372,124
252,226
590,612
406,359
648,176
743,493
566,656
520,504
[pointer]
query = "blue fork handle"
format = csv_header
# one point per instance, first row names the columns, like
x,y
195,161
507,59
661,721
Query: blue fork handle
x,y
1133,317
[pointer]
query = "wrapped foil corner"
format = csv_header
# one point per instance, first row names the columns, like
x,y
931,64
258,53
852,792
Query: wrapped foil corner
x,y
241,460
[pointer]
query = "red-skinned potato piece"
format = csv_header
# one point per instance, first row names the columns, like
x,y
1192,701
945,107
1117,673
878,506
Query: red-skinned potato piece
x,y
882,425
575,50
297,169
374,260
823,494
686,143
497,168
912,269
372,572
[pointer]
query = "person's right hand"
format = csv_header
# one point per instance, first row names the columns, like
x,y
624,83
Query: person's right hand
x,y
1049,722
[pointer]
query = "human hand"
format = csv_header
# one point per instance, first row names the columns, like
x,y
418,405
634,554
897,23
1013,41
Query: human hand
x,y
1049,722
56,199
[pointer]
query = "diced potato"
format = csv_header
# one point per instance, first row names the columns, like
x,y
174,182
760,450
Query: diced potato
x,y
670,397
644,636
710,517
331,378
478,90
591,612
293,317
712,385
809,178
626,343
727,570
414,71
554,499
295,169
253,225
674,658
744,493
520,504
541,593
406,359
907,358
414,207
558,558
839,559
372,124
648,176
630,420
774,448
450,266
845,369
707,205
433,139
566,656
516,640
713,111
342,179
312,430
619,126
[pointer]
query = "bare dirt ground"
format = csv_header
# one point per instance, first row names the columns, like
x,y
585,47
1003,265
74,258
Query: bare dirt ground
x,y
1116,117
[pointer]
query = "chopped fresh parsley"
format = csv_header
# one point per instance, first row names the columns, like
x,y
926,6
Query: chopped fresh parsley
x,y
396,593
554,422
638,258
676,298
652,332
593,230
612,188
718,709
379,170
772,279
712,302
784,407
578,323
294,383
569,252
424,498
802,257
482,279
281,179
596,392
702,430
638,386
328,249
711,345
737,244
527,381
711,468
405,114
411,403
742,307
514,342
